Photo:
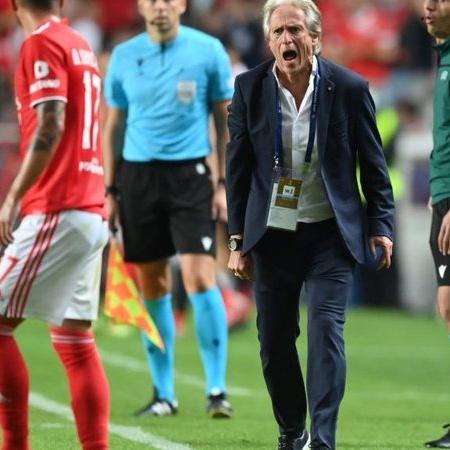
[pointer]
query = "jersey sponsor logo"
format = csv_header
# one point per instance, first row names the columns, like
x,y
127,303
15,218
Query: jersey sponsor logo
x,y
82,57
40,69
207,243
442,270
44,84
92,166
444,75
187,91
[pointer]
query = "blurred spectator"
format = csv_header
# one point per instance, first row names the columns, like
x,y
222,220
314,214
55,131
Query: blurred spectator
x,y
7,58
116,15
415,42
412,76
362,35
84,17
238,23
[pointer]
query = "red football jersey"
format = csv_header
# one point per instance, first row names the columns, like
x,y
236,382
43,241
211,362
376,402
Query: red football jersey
x,y
56,63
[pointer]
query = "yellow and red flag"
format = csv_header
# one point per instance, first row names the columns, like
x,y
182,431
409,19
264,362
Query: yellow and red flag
x,y
123,304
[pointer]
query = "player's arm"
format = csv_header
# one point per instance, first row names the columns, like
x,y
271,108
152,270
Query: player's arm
x,y
113,128
220,114
50,128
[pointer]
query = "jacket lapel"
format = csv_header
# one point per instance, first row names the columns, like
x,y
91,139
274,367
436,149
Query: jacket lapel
x,y
269,93
325,100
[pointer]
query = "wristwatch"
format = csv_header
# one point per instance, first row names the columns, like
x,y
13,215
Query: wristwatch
x,y
111,190
234,243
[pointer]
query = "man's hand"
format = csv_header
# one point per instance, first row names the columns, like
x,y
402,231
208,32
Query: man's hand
x,y
240,265
112,206
219,207
8,215
444,235
386,247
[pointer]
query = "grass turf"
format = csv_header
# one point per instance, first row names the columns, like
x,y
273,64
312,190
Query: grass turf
x,y
397,388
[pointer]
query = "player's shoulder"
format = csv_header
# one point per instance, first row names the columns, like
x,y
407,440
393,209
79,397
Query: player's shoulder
x,y
60,34
135,44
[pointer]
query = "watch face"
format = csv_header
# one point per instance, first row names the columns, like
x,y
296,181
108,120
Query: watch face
x,y
234,244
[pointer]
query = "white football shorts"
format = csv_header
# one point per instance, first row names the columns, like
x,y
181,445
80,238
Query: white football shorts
x,y
52,269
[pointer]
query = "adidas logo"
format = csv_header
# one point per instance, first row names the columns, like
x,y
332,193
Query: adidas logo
x,y
442,270
207,242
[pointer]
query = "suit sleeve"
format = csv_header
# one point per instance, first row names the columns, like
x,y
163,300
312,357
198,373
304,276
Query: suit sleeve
x,y
238,163
375,182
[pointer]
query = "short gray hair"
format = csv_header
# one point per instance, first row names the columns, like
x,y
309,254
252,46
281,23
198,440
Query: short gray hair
x,y
313,18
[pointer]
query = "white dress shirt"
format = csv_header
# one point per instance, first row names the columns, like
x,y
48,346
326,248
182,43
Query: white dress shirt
x,y
314,205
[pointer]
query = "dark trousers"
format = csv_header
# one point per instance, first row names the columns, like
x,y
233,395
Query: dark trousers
x,y
315,256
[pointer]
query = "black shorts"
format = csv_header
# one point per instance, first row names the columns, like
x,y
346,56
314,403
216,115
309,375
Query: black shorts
x,y
441,262
165,208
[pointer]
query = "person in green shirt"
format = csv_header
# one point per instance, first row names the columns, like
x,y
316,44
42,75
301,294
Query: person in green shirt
x,y
437,20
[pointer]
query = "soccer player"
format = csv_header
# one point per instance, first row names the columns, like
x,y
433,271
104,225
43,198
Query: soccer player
x,y
166,81
437,20
51,266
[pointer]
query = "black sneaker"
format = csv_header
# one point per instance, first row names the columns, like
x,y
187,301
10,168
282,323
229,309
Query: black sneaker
x,y
218,407
298,443
443,442
158,407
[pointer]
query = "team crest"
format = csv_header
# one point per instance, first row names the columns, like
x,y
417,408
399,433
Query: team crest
x,y
444,75
187,91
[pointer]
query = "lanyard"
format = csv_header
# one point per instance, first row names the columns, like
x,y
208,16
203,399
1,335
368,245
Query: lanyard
x,y
312,124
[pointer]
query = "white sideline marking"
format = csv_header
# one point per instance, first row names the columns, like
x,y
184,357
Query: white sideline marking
x,y
55,425
133,364
134,434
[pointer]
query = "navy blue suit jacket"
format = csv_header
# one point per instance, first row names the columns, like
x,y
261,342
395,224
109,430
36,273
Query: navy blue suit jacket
x,y
346,136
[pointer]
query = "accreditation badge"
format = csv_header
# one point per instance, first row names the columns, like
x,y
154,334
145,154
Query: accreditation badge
x,y
286,192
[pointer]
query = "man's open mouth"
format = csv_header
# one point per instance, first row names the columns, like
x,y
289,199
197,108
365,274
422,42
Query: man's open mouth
x,y
289,55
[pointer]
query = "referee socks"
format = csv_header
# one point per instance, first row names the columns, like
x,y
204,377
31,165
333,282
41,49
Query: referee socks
x,y
212,333
162,363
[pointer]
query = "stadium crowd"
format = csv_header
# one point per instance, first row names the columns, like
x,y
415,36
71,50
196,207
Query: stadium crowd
x,y
399,50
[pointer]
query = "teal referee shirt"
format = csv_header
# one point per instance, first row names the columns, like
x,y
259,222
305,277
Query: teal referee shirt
x,y
168,90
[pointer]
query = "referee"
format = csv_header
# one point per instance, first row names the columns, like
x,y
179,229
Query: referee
x,y
163,84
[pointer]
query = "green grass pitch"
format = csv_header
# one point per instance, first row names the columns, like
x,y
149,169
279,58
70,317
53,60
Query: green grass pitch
x,y
397,393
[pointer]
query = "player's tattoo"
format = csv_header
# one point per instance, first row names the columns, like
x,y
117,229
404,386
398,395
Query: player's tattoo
x,y
51,117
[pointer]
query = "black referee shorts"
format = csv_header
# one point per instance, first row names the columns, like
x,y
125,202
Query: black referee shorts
x,y
165,208
441,262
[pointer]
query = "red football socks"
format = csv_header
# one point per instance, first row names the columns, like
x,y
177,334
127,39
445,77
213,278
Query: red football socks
x,y
88,385
14,389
